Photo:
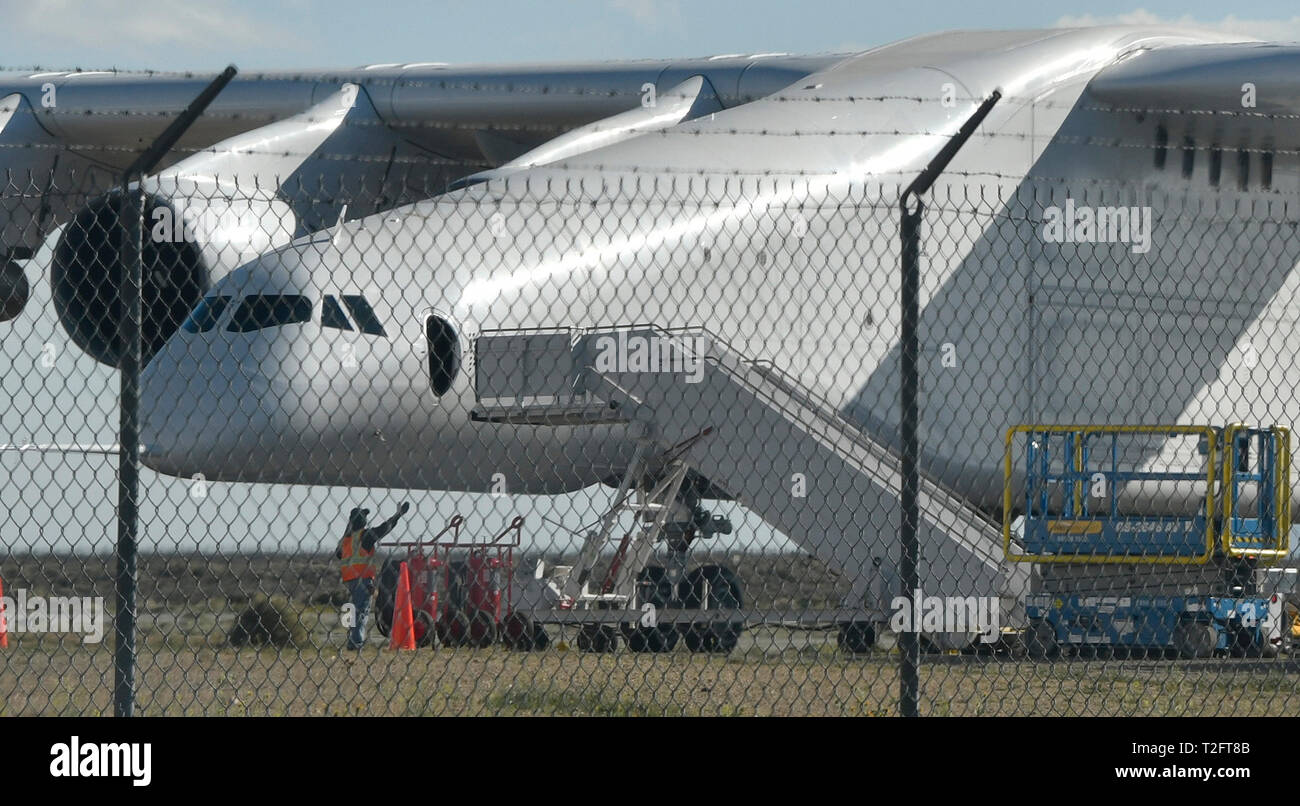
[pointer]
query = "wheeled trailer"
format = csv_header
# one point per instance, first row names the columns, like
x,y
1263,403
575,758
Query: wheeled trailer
x,y
461,589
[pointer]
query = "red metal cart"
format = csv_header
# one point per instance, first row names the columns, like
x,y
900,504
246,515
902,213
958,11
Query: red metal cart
x,y
460,589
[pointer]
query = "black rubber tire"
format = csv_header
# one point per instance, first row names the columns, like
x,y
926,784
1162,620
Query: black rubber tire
x,y
1195,639
522,634
1015,648
386,595
653,587
1040,641
660,638
724,592
698,638
597,638
482,630
452,629
1246,644
856,637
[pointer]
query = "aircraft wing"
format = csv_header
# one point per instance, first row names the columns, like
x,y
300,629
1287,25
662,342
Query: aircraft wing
x,y
1206,79
65,136
1203,100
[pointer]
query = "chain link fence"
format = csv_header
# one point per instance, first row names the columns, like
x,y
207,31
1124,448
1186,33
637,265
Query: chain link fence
x,y
586,440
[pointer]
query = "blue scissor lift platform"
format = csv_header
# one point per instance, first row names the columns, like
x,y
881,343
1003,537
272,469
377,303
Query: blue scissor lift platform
x,y
1148,536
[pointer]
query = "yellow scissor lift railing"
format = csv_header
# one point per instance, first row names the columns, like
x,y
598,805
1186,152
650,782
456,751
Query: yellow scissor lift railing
x,y
1260,458
1074,477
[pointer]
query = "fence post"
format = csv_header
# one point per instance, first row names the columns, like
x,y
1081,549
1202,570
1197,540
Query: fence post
x,y
909,672
911,208
130,325
130,212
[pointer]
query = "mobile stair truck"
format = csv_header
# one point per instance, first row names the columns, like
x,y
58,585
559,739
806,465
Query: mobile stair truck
x,y
736,428
1148,537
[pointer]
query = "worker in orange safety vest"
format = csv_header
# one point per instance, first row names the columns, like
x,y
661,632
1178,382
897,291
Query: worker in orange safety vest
x,y
356,553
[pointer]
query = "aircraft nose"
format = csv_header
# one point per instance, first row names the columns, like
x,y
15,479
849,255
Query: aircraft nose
x,y
266,382
213,405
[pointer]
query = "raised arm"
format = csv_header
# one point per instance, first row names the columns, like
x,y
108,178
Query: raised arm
x,y
374,534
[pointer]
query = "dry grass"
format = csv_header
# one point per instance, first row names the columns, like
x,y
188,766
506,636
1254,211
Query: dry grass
x,y
218,681
189,604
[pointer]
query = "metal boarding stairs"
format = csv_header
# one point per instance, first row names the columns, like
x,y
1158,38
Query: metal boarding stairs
x,y
650,511
753,431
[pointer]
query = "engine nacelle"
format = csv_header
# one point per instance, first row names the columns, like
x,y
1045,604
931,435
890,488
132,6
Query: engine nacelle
x,y
193,236
204,217
225,205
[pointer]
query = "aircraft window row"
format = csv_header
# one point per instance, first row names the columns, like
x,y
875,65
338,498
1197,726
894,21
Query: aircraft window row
x,y
332,315
269,310
1215,168
273,310
204,317
364,314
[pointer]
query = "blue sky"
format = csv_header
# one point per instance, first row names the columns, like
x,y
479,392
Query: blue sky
x,y
186,34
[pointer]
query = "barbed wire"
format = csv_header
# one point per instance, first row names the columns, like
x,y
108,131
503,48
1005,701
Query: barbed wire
x,y
636,95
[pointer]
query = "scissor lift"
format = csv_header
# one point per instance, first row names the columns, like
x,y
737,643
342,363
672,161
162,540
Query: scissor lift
x,y
1148,536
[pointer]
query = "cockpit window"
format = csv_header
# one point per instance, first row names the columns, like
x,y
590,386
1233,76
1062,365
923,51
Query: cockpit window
x,y
364,314
272,310
204,317
332,315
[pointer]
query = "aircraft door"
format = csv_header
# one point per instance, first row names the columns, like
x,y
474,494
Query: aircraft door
x,y
441,350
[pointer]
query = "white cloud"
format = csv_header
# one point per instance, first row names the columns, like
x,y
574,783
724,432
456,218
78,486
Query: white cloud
x,y
1272,30
653,14
124,25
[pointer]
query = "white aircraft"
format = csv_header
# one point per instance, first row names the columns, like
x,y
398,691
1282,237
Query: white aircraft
x,y
746,219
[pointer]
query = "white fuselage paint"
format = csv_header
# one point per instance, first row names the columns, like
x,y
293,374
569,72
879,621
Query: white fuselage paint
x,y
780,267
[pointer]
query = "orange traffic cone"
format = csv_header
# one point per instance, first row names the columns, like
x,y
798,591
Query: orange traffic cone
x,y
4,625
403,632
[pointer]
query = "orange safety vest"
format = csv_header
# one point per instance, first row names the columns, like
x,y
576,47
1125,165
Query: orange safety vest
x,y
356,561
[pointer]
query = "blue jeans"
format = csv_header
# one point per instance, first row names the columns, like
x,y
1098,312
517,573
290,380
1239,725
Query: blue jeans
x,y
359,592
